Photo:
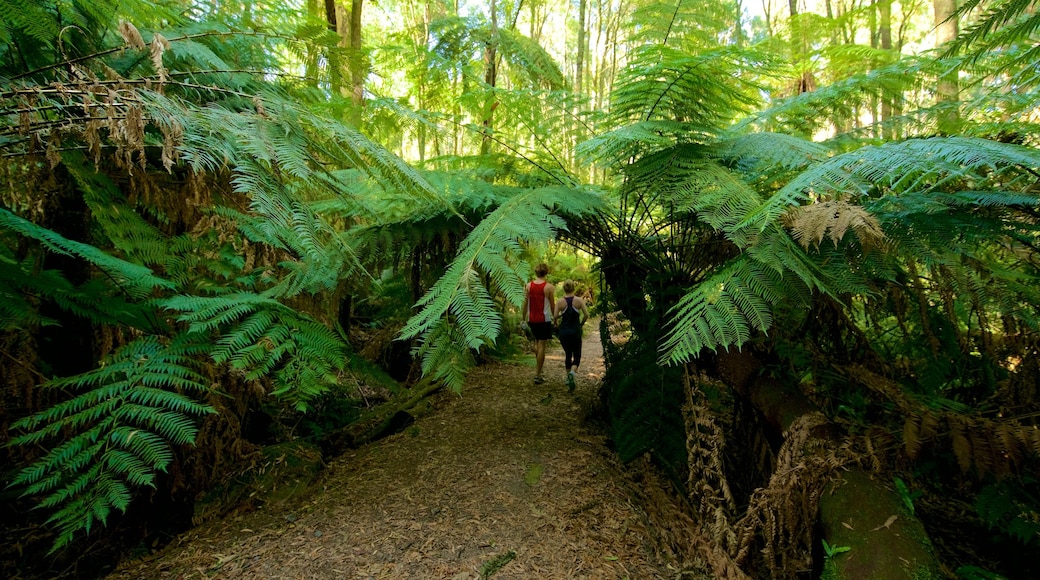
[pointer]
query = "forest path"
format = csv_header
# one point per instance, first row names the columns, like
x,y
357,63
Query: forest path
x,y
505,479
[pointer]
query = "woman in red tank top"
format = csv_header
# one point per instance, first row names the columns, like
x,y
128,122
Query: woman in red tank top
x,y
539,311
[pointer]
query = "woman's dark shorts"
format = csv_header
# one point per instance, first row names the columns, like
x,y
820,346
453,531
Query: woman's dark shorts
x,y
541,330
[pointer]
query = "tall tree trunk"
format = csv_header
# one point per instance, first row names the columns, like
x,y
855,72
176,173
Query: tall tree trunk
x,y
767,13
311,68
946,29
332,16
357,62
738,30
579,64
347,25
889,97
421,85
872,24
800,50
490,77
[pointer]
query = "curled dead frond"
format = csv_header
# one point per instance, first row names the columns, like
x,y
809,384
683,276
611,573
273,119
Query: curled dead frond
x,y
131,35
809,224
780,517
707,483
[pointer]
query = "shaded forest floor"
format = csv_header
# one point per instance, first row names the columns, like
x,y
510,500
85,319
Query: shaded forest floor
x,y
507,479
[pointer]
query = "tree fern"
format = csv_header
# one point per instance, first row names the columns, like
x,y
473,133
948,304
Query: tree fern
x,y
115,432
1002,26
132,128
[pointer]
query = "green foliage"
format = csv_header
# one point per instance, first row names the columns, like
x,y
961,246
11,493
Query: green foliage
x,y
135,279
644,404
1011,508
1006,26
113,434
976,573
261,337
905,495
830,551
201,231
903,185
458,312
492,566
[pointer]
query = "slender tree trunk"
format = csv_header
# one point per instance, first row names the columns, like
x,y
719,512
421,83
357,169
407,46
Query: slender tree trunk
x,y
889,97
738,29
421,85
357,62
872,24
800,50
490,77
332,15
767,13
314,11
946,29
579,64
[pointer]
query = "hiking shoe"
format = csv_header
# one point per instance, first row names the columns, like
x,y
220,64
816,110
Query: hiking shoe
x,y
538,379
571,382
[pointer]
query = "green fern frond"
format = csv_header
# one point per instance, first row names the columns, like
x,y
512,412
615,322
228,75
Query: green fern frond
x,y
724,310
492,248
262,337
135,279
131,235
755,153
805,113
915,165
117,432
29,18
529,61
670,84
1002,24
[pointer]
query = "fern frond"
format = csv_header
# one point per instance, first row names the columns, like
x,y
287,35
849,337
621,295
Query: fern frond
x,y
492,248
754,153
529,61
136,279
117,431
724,310
915,165
28,18
260,336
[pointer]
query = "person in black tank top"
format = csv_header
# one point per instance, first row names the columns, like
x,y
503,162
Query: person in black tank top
x,y
570,315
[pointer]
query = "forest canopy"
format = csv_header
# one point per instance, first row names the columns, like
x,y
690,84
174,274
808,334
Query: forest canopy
x,y
220,218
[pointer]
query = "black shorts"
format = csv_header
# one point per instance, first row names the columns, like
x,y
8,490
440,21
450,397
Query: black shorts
x,y
541,330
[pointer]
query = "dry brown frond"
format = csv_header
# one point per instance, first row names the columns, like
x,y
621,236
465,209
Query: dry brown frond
x,y
809,224
958,425
929,425
783,513
911,435
1008,439
159,46
131,35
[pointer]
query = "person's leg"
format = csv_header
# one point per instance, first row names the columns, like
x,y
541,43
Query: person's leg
x,y
572,375
569,344
539,359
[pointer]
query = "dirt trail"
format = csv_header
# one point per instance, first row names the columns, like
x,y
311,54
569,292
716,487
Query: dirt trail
x,y
505,479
